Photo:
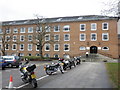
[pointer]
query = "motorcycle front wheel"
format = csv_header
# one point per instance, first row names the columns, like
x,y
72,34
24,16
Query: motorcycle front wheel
x,y
34,83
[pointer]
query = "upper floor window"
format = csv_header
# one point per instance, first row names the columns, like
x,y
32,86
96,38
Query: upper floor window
x,y
105,36
14,46
38,29
7,47
0,38
29,47
66,47
56,37
8,30
1,31
93,37
56,47
82,37
30,29
67,37
37,47
8,38
15,30
22,38
22,30
29,37
66,28
57,28
93,26
82,27
14,38
47,47
47,28
21,47
47,37
105,26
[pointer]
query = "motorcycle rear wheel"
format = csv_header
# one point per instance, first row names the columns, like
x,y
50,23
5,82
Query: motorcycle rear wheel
x,y
48,72
34,83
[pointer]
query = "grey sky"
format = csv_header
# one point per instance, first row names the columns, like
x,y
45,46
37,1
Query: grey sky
x,y
25,9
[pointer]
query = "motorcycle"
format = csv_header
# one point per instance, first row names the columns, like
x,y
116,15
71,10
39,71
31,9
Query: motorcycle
x,y
28,74
78,61
54,67
66,64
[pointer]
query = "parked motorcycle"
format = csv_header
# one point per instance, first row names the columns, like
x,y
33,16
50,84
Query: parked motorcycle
x,y
78,61
66,64
28,74
54,67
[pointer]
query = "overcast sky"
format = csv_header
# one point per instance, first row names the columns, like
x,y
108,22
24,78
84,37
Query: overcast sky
x,y
26,9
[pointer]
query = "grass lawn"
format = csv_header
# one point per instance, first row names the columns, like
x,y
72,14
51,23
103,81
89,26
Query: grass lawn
x,y
114,73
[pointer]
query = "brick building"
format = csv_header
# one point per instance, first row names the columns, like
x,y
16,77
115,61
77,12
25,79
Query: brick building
x,y
76,35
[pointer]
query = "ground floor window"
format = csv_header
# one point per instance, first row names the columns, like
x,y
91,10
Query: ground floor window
x,y
105,48
46,55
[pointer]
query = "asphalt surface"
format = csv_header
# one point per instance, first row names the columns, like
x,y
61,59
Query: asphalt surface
x,y
86,75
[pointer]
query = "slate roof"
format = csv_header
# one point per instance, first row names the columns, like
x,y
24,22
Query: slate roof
x,y
60,19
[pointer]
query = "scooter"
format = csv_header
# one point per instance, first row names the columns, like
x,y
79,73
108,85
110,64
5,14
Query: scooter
x,y
28,74
54,67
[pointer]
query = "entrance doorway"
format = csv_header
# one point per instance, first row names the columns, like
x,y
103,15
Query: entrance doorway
x,y
93,49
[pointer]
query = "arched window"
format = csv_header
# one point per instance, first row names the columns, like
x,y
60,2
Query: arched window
x,y
105,48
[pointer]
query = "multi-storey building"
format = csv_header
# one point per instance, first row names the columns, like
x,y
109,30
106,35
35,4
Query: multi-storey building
x,y
77,35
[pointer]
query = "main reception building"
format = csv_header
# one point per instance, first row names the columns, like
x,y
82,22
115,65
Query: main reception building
x,y
76,35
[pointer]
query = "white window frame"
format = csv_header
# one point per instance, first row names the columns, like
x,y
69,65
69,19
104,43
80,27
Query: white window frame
x,y
20,47
1,38
21,38
30,45
82,48
29,37
8,31
105,49
57,47
95,36
46,46
40,29
47,29
103,25
93,26
68,37
46,54
56,54
58,28
1,31
58,37
30,29
22,30
47,37
36,48
14,40
84,37
0,46
15,46
8,46
15,30
103,36
8,39
81,27
68,47
66,27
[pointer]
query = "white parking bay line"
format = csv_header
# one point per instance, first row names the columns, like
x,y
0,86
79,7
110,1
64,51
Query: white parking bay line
x,y
28,83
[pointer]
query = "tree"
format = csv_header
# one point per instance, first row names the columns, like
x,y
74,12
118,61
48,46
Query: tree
x,y
5,39
42,34
112,8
